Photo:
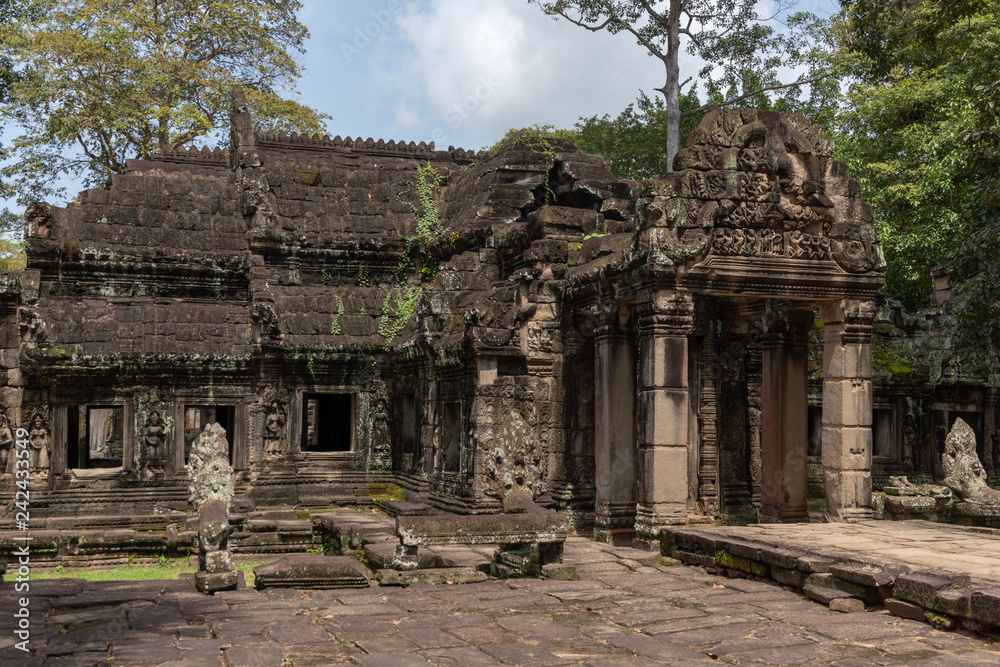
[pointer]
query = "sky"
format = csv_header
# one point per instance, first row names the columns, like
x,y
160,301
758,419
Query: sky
x,y
459,72
463,72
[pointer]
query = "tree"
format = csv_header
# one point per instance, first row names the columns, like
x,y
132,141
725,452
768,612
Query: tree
x,y
107,80
905,127
11,12
632,143
743,50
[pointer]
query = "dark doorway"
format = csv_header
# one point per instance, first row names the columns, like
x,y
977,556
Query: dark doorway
x,y
328,423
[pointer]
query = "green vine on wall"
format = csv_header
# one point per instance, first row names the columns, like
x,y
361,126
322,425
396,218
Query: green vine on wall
x,y
400,303
399,306
427,186
335,318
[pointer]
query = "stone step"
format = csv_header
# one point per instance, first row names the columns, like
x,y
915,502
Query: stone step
x,y
313,572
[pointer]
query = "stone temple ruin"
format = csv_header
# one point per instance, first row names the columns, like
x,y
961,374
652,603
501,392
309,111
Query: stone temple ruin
x,y
355,312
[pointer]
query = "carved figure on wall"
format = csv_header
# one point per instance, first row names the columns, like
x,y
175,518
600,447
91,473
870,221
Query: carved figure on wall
x,y
6,440
274,431
38,441
154,437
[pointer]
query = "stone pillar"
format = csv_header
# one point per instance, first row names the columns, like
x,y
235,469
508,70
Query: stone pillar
x,y
614,436
664,408
785,419
989,435
847,409
735,475
241,454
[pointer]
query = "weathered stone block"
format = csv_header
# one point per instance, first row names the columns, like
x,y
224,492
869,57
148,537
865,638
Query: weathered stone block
x,y
846,361
430,577
308,571
661,367
984,605
922,586
695,558
953,601
873,575
847,402
664,416
847,605
796,578
847,448
824,588
208,582
726,559
905,609
665,478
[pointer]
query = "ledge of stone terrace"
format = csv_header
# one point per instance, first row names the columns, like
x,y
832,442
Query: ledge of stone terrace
x,y
948,575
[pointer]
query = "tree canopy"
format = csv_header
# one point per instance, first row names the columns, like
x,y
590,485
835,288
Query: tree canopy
x,y
742,48
917,129
102,81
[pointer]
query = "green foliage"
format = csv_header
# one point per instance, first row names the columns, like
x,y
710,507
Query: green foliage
x,y
12,13
335,318
398,307
539,132
426,187
974,264
103,81
12,255
633,143
920,73
364,276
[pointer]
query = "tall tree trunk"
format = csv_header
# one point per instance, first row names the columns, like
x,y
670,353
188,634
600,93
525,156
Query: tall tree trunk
x,y
672,88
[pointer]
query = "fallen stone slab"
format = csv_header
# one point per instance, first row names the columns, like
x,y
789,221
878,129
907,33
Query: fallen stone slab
x,y
309,571
430,576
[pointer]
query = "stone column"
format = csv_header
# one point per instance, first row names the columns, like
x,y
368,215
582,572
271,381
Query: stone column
x,y
664,408
614,437
847,409
785,415
735,478
989,435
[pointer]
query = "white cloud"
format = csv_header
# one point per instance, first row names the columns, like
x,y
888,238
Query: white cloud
x,y
406,117
504,64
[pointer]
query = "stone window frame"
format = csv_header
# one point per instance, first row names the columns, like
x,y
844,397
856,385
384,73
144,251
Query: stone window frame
x,y
295,412
59,439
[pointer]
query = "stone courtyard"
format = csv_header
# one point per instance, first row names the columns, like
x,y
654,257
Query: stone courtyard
x,y
627,606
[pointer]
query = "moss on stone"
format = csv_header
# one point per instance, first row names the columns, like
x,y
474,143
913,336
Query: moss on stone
x,y
725,559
